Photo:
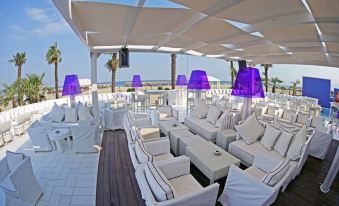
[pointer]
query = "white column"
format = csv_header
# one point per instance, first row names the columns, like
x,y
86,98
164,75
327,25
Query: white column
x,y
94,79
332,173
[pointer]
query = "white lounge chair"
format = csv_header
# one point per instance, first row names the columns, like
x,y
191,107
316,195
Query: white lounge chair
x,y
39,138
86,137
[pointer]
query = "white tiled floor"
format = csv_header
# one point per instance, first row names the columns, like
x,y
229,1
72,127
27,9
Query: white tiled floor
x,y
67,178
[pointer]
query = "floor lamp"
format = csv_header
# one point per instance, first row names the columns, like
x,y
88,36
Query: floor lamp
x,y
71,87
248,85
198,82
181,82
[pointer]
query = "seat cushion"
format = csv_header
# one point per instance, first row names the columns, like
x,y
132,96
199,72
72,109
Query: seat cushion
x,y
250,130
8,187
317,122
277,173
246,153
202,127
165,156
255,172
184,185
165,110
302,118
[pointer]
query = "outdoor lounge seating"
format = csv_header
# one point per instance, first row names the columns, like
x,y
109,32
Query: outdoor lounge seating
x,y
179,186
39,138
21,123
114,118
153,150
269,112
18,181
5,132
86,138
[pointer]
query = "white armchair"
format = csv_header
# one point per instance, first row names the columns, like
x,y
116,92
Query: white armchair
x,y
20,124
20,185
114,119
270,112
320,143
5,132
153,150
185,189
39,138
86,138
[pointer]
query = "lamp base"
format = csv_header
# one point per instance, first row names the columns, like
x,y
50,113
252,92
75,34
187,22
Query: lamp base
x,y
246,108
72,101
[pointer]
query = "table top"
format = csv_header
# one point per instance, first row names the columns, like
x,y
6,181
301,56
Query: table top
x,y
181,133
169,125
204,153
57,134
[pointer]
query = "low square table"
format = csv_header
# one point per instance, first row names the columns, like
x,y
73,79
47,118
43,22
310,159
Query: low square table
x,y
170,125
174,137
189,141
149,132
212,166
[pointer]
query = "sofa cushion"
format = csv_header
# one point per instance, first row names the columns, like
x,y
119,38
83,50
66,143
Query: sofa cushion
x,y
160,186
264,161
165,156
287,115
14,159
213,114
57,113
282,143
270,136
84,113
184,185
202,127
277,173
255,172
302,118
250,130
317,122
71,115
298,141
270,110
141,152
165,110
201,110
246,153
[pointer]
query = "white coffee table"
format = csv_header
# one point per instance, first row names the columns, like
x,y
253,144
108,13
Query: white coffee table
x,y
170,125
174,137
57,136
212,166
189,141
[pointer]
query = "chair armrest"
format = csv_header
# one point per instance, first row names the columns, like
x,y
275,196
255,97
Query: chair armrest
x,y
243,189
158,147
175,167
207,197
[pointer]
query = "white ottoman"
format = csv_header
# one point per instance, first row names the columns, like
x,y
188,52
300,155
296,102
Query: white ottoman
x,y
189,141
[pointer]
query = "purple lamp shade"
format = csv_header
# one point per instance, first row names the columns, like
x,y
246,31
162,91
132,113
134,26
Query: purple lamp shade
x,y
181,80
71,85
136,82
248,84
198,80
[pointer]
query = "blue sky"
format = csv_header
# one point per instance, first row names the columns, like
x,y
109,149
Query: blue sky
x,y
33,25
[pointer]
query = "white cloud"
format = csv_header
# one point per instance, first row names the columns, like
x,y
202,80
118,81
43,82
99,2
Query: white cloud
x,y
47,23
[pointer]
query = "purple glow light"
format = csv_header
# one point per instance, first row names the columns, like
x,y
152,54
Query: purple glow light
x,y
71,85
181,80
198,80
248,84
136,82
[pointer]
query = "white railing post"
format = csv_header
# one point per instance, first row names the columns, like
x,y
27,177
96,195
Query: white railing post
x,y
94,79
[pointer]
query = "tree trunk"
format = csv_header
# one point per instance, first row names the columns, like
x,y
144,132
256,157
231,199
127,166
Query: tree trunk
x,y
113,80
19,84
273,89
13,102
56,80
232,74
173,69
266,79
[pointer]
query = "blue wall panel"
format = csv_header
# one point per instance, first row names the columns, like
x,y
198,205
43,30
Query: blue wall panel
x,y
318,88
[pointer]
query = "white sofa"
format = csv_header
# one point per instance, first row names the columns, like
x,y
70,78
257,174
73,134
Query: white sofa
x,y
180,186
150,151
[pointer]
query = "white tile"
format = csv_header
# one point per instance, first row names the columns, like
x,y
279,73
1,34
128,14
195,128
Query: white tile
x,y
83,200
63,191
84,191
54,201
56,183
85,183
65,199
71,179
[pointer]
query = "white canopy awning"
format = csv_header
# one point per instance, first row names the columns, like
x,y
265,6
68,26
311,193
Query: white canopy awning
x,y
212,79
85,82
260,31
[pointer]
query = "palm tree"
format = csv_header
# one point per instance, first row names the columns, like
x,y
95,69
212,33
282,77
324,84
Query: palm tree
x,y
233,73
33,88
53,56
173,69
19,59
275,81
266,67
294,86
113,65
8,94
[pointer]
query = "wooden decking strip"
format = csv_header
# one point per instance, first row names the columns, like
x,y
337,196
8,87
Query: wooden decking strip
x,y
117,185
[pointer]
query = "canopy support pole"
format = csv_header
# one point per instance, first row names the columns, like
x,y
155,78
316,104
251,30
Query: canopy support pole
x,y
94,88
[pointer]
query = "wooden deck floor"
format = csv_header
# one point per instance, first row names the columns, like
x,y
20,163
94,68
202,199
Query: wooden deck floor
x,y
117,185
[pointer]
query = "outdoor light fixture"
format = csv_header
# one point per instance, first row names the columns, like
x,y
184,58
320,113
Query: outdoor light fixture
x,y
181,80
248,85
136,82
71,87
198,82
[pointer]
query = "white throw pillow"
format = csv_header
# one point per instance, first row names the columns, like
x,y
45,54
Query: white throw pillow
x,y
57,114
160,186
14,159
287,115
299,140
141,152
281,145
270,110
276,173
213,114
270,136
250,130
71,115
201,110
317,122
265,162
302,118
84,113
